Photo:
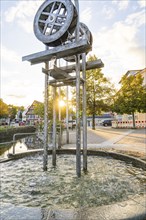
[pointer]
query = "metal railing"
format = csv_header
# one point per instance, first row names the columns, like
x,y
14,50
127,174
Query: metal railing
x,y
20,134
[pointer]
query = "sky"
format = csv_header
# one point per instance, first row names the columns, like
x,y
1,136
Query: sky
x,y
118,28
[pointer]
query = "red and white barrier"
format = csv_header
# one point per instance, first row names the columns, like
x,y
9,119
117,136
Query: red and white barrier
x,y
128,124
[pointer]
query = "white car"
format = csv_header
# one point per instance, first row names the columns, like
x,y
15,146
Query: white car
x,y
14,124
71,124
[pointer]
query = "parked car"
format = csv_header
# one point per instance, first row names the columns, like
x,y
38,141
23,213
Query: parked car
x,y
107,123
13,124
71,124
21,123
3,123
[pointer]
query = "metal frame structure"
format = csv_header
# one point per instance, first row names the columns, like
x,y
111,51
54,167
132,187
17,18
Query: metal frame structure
x,y
61,77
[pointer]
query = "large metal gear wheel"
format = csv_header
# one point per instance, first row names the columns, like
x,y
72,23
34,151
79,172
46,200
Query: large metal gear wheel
x,y
84,33
55,21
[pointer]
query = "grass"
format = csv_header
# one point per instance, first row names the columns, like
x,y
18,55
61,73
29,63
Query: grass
x,y
4,128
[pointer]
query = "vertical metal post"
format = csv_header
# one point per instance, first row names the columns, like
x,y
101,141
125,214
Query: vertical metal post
x,y
59,112
14,144
78,124
84,114
78,129
59,117
67,117
54,128
45,155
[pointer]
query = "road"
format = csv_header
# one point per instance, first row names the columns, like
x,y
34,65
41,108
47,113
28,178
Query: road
x,y
107,137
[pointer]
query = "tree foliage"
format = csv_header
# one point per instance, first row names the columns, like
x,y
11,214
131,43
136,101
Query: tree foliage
x,y
131,97
12,111
39,109
4,112
9,111
99,92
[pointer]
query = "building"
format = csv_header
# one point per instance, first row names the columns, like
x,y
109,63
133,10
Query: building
x,y
134,72
31,117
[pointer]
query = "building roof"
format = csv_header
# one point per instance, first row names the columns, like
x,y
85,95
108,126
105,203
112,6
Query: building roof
x,y
31,107
134,72
102,116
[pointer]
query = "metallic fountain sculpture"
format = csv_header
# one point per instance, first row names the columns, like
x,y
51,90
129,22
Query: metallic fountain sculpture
x,y
56,24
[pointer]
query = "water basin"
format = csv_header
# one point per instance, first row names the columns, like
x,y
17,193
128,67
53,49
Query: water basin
x,y
108,181
20,146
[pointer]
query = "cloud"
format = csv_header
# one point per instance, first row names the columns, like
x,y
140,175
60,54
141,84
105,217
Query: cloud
x,y
86,16
23,14
9,55
20,91
120,36
16,96
122,5
119,49
108,12
136,19
142,3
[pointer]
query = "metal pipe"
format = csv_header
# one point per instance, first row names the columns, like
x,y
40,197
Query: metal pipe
x,y
84,114
59,117
78,129
45,155
54,128
67,117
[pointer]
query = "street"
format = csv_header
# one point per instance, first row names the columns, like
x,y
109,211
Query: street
x,y
107,137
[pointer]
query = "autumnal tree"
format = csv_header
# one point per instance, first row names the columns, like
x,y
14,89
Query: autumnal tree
x,y
131,97
12,111
4,111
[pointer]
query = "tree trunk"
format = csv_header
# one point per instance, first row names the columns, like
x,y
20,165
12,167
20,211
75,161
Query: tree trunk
x,y
93,122
133,118
93,116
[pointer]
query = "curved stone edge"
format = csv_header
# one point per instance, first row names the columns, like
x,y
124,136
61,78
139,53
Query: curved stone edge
x,y
128,159
133,209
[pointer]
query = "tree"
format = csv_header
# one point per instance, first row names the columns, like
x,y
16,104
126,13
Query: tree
x,y
39,106
99,92
19,114
39,109
131,97
12,110
4,112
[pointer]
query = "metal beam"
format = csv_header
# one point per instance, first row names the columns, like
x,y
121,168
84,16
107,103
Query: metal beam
x,y
65,82
70,68
70,49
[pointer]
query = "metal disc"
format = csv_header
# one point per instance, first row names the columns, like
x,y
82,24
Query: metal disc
x,y
54,21
85,33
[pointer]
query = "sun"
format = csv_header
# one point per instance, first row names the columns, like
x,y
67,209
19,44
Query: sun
x,y
61,103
